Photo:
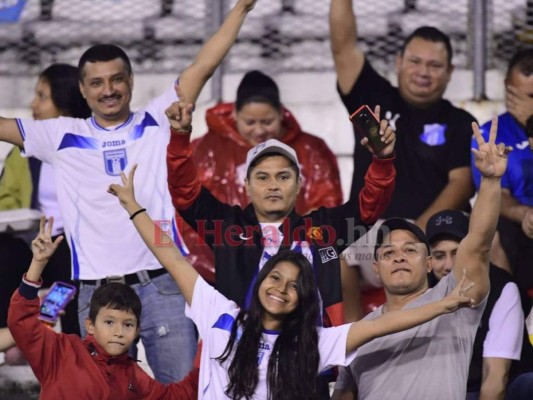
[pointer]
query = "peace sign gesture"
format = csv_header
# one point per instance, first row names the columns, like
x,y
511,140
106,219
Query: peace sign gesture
x,y
490,158
42,246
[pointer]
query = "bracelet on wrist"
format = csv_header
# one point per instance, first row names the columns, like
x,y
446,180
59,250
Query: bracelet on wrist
x,y
137,213
184,131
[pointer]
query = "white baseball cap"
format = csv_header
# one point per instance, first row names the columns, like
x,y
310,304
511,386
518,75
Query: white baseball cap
x,y
271,146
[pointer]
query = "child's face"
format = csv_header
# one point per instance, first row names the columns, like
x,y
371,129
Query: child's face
x,y
278,294
114,330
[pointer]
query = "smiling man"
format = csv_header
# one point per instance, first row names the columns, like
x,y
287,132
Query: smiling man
x,y
433,149
430,361
88,155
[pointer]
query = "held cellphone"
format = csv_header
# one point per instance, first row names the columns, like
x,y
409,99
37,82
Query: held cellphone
x,y
367,125
55,301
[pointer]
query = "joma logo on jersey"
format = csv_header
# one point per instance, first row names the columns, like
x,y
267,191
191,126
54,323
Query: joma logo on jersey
x,y
115,161
113,143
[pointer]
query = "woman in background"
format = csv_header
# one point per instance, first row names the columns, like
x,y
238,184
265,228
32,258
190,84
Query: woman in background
x,y
57,94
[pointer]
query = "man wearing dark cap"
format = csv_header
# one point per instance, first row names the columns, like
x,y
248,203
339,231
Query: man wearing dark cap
x,y
501,336
430,361
234,128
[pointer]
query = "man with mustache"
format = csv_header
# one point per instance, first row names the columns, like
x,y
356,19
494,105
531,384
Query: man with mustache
x,y
89,154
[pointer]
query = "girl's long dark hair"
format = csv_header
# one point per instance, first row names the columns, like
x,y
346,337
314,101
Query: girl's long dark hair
x,y
293,365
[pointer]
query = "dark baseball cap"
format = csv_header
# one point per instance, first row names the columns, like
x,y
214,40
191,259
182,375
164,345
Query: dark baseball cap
x,y
448,222
393,224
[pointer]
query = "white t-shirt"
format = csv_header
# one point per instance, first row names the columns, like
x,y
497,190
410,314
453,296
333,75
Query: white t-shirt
x,y
86,159
214,316
506,326
47,197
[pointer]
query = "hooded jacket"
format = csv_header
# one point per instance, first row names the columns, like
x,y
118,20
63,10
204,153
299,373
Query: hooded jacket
x,y
68,367
220,157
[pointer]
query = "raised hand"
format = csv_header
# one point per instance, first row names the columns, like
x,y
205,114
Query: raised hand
x,y
42,246
387,136
457,298
179,113
249,4
490,158
518,103
126,191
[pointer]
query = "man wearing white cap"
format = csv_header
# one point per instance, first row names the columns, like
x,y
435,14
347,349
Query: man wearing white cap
x,y
242,239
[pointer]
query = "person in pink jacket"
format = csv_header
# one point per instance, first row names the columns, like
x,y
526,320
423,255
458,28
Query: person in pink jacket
x,y
234,128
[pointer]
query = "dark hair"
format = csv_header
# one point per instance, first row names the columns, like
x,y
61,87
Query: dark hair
x,y
522,61
65,91
258,160
103,52
116,296
430,34
257,87
293,364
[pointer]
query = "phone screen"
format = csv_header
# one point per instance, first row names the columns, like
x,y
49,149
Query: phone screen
x,y
367,125
56,300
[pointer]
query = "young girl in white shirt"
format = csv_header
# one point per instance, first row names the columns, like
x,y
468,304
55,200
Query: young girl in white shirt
x,y
275,349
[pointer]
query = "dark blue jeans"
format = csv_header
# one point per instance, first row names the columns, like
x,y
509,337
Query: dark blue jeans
x,y
521,388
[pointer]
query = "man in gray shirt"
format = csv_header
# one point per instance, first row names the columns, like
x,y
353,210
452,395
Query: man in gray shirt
x,y
430,361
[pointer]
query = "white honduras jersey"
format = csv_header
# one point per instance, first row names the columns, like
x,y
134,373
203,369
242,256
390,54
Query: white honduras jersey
x,y
214,316
86,159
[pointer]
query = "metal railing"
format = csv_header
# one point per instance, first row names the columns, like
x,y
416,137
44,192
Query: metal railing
x,y
278,35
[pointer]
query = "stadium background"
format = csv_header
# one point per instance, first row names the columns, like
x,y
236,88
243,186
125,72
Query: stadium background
x,y
285,38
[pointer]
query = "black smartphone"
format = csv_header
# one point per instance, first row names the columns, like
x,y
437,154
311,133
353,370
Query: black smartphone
x,y
367,125
56,300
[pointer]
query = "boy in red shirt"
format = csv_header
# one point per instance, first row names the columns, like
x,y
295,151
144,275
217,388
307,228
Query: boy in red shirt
x,y
97,367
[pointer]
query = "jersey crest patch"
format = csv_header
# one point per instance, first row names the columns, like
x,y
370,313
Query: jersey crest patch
x,y
434,134
327,254
115,161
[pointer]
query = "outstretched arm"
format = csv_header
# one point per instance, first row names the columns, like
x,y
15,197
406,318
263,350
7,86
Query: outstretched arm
x,y
194,77
38,343
9,131
364,331
474,250
183,182
375,196
165,250
347,55
43,248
